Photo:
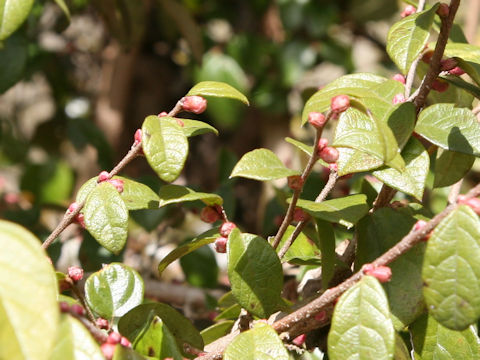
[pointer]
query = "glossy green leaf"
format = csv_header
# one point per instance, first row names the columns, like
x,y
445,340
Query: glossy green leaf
x,y
217,89
232,312
326,236
195,127
346,210
357,85
401,350
450,167
302,252
401,120
361,325
307,149
114,290
432,341
157,341
135,321
12,14
255,273
463,85
263,165
165,146
106,217
408,37
74,342
13,58
216,331
28,296
200,268
451,128
64,7
259,343
376,236
451,271
125,353
172,194
468,56
411,181
353,161
388,89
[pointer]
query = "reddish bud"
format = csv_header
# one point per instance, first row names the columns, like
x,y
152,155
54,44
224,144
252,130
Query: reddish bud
x,y
11,198
108,350
321,316
137,137
295,182
103,176
64,307
427,57
299,340
340,103
409,10
221,245
102,323
334,167
80,219
329,154
162,114
114,338
77,309
398,99
322,143
448,64
75,273
399,78
443,10
195,104
317,119
118,183
382,273
73,206
457,71
440,86
419,225
209,214
125,342
227,228
474,203
299,215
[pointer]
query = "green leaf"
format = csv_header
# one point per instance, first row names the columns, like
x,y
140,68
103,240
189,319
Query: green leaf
x,y
450,167
195,127
232,312
125,353
361,325
114,290
106,217
375,237
451,271
165,146
135,321
462,84
12,15
353,161
468,56
74,342
201,240
358,85
217,89
408,37
401,120
64,7
200,268
327,245
401,350
307,149
259,343
451,128
172,194
388,89
13,58
157,341
216,331
411,181
433,341
346,211
302,252
255,273
28,296
263,165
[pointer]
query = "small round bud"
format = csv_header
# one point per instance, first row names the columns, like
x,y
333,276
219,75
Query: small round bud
x,y
137,137
398,99
474,203
209,214
340,103
118,183
443,10
114,338
409,10
299,340
420,224
440,86
321,316
299,215
108,350
75,273
329,154
427,57
457,71
399,78
322,144
103,176
125,342
77,309
221,245
73,206
195,104
102,323
162,114
334,167
382,273
227,228
80,219
448,64
11,198
64,307
317,119
295,182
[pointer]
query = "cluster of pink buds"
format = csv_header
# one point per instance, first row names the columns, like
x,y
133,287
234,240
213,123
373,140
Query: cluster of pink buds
x,y
114,338
79,218
382,273
221,242
73,309
117,183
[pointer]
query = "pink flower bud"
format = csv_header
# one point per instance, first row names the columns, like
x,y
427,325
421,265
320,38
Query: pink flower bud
x,y
118,183
321,316
334,167
11,198
443,10
102,323
457,71
125,342
340,103
398,99
295,182
440,86
103,176
114,338
299,340
329,154
209,214
137,137
195,104
420,224
108,350
64,307
162,114
409,10
73,206
299,215
75,273
399,78
474,203
221,245
80,219
448,64
322,143
77,309
317,119
382,273
227,228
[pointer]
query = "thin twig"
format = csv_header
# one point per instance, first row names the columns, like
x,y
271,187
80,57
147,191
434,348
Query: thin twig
x,y
78,294
67,220
454,192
